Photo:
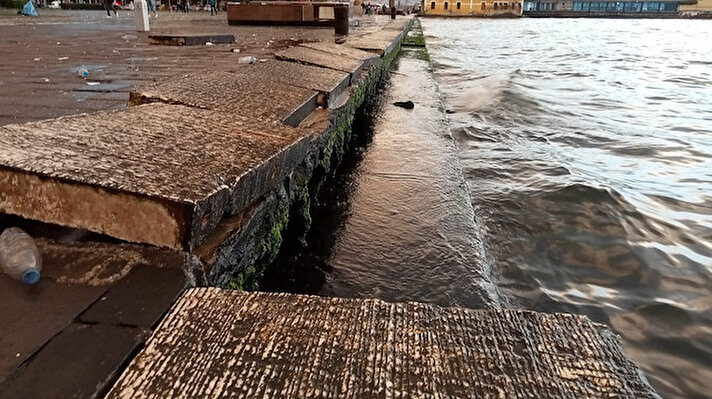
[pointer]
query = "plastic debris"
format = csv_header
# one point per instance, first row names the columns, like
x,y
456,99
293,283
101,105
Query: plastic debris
x,y
19,256
82,71
247,60
29,9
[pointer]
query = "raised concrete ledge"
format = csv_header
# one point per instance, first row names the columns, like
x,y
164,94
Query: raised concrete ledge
x,y
217,343
245,92
382,42
339,50
329,83
158,174
308,56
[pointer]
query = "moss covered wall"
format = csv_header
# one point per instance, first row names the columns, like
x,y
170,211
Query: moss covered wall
x,y
286,212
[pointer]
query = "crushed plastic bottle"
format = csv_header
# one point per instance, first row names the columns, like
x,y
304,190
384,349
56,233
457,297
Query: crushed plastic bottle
x,y
82,71
247,60
19,256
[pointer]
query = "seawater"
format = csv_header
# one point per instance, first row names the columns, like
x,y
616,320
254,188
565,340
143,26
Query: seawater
x,y
587,147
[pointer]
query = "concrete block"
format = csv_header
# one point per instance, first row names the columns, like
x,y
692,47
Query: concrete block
x,y
293,346
321,59
236,93
158,174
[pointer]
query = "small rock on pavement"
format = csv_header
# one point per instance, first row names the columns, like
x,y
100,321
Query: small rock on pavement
x,y
404,104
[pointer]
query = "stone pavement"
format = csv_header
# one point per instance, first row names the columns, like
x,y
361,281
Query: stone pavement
x,y
217,343
69,335
38,77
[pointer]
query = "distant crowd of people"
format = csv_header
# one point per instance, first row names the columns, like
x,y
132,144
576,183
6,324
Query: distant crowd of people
x,y
111,6
185,6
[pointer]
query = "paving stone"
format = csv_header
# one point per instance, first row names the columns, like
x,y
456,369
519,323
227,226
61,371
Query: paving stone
x,y
218,343
322,59
382,42
32,315
249,93
81,362
158,174
139,299
328,82
344,51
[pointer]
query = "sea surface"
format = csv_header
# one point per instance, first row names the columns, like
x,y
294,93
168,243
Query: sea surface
x,y
587,147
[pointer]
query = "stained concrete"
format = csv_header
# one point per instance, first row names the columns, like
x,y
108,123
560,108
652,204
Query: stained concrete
x,y
340,50
329,83
251,93
217,343
81,362
46,351
381,42
32,315
158,174
321,59
140,299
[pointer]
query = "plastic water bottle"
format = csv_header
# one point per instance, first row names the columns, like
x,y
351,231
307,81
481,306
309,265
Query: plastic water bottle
x,y
19,256
82,71
247,60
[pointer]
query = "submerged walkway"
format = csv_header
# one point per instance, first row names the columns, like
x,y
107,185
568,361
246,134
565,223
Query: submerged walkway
x,y
217,343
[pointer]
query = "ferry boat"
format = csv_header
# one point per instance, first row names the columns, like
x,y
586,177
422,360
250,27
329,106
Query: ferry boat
x,y
618,9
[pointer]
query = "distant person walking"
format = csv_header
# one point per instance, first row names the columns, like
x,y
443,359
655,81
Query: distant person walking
x,y
152,8
109,7
213,7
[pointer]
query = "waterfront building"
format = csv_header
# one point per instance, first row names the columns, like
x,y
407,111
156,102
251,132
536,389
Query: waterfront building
x,y
696,9
465,8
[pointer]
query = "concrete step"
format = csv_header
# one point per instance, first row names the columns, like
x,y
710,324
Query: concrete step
x,y
246,92
158,174
218,343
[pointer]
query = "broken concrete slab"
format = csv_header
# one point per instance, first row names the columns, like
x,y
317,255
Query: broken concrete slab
x,y
328,82
81,362
139,299
32,315
283,345
182,39
236,93
158,174
305,55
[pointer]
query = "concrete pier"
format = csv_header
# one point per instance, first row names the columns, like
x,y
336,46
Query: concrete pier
x,y
218,343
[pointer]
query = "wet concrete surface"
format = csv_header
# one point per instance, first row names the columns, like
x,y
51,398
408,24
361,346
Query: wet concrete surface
x,y
41,55
141,174
69,335
404,228
219,343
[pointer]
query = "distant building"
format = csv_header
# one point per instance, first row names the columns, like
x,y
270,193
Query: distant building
x,y
696,9
487,8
